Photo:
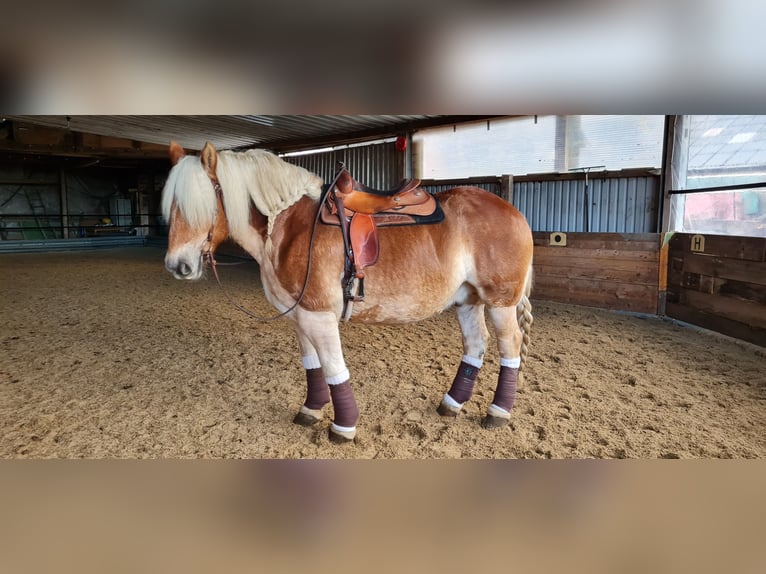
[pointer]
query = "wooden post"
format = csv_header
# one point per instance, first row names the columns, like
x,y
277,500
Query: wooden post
x,y
674,162
416,158
662,279
407,168
667,221
64,207
506,188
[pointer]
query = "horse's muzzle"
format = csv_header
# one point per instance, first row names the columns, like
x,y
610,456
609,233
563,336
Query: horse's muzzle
x,y
181,269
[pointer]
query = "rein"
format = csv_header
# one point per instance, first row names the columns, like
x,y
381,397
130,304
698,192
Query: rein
x,y
207,254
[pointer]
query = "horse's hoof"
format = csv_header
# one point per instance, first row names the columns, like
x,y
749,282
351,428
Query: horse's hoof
x,y
446,410
341,435
307,417
496,418
490,422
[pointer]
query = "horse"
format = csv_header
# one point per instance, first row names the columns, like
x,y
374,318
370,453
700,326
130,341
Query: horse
x,y
479,257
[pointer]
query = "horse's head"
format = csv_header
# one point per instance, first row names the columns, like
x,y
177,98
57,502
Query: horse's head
x,y
193,206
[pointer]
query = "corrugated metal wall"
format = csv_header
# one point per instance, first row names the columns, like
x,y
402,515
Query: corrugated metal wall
x,y
378,165
492,187
618,204
323,164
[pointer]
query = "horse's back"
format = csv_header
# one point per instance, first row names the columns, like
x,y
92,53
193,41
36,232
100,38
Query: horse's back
x,y
480,212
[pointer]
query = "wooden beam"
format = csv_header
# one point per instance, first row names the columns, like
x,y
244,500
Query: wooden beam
x,y
341,138
35,139
506,188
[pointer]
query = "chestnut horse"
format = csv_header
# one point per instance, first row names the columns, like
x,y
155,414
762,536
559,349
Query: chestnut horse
x,y
479,256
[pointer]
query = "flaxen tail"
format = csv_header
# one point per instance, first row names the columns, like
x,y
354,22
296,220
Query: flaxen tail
x,y
524,316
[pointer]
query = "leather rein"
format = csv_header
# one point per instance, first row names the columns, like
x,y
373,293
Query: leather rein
x,y
207,252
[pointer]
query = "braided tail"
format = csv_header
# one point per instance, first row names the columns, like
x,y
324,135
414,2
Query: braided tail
x,y
524,317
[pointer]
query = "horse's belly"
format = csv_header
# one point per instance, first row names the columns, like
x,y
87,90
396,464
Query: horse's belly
x,y
405,305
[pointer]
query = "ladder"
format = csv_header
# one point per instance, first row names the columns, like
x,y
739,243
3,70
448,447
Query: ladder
x,y
41,217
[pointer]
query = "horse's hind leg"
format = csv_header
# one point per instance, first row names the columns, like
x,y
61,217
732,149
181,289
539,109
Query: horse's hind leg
x,y
317,391
474,329
509,339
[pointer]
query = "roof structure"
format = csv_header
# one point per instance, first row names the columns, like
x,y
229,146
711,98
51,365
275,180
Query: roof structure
x,y
278,133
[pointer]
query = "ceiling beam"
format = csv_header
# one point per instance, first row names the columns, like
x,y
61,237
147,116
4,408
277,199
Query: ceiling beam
x,y
344,138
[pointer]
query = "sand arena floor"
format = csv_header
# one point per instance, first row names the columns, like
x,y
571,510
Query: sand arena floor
x,y
104,354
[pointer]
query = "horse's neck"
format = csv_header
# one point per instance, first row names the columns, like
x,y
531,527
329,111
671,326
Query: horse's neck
x,y
296,219
254,239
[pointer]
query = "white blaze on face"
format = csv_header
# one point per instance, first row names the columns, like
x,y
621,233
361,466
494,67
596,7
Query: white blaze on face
x,y
184,256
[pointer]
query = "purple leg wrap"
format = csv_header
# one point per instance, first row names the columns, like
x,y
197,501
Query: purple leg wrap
x,y
346,411
505,393
462,386
318,394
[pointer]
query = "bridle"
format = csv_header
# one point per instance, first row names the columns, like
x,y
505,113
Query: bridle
x,y
207,251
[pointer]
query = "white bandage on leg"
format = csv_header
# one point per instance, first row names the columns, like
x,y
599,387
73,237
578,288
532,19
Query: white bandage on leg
x,y
341,377
514,363
311,362
494,410
449,401
473,361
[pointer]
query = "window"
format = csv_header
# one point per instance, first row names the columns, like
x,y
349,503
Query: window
x,y
715,152
538,144
495,147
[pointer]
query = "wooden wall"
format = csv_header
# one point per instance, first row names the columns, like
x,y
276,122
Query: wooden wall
x,y
609,270
722,287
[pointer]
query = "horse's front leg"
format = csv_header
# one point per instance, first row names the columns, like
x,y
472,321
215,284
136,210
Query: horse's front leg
x,y
321,331
317,391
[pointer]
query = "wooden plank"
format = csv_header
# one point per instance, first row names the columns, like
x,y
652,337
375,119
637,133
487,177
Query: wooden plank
x,y
696,282
723,325
738,269
153,148
603,299
30,134
724,287
557,259
617,241
105,142
599,254
612,287
741,290
675,279
618,271
733,247
747,312
593,292
605,236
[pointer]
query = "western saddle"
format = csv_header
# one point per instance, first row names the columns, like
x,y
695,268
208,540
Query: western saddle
x,y
363,211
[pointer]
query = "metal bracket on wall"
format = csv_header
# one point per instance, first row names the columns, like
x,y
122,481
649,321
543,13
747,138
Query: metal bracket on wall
x,y
558,239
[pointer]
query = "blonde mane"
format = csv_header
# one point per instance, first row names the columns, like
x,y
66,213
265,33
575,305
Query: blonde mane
x,y
259,176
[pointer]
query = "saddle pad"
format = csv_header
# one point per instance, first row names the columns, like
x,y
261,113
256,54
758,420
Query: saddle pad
x,y
428,213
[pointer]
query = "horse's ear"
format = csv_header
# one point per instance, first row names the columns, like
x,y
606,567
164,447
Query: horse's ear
x,y
209,159
176,152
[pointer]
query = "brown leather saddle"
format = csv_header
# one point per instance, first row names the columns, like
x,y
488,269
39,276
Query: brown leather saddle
x,y
364,211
